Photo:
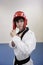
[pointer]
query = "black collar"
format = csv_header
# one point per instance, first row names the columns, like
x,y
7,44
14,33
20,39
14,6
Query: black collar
x,y
24,31
21,31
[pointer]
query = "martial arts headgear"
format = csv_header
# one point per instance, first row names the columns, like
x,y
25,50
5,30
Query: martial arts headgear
x,y
17,15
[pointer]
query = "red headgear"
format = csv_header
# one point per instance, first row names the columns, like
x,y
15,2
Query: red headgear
x,y
19,14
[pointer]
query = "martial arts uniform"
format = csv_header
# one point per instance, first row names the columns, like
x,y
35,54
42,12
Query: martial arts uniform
x,y
23,48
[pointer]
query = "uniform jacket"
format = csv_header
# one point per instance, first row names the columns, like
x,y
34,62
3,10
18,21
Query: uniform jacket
x,y
23,48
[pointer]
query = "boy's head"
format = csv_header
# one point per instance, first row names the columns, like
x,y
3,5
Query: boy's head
x,y
19,18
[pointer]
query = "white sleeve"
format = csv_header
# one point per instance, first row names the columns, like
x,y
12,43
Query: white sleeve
x,y
28,45
20,44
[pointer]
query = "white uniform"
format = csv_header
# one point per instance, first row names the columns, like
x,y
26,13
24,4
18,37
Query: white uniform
x,y
23,48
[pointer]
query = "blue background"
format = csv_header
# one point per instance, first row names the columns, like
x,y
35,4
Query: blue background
x,y
7,54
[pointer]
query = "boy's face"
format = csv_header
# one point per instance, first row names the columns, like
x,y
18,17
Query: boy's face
x,y
20,24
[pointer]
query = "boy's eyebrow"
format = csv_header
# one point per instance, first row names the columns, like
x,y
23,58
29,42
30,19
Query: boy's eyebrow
x,y
19,20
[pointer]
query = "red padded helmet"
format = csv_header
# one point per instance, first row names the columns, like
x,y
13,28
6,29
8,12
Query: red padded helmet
x,y
19,14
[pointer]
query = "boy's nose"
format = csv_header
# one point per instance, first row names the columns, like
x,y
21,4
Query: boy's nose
x,y
19,22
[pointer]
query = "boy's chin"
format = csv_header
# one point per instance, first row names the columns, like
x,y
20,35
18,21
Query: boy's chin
x,y
20,28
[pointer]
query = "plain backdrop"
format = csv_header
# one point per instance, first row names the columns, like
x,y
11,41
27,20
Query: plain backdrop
x,y
33,10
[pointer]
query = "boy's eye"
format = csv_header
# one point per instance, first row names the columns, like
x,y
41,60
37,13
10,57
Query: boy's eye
x,y
21,20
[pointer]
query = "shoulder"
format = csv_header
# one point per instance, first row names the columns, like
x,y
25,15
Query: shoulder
x,y
29,34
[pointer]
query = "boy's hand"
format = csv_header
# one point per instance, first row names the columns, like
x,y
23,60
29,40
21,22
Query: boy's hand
x,y
13,44
13,33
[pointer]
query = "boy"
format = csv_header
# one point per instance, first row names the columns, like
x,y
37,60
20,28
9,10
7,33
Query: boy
x,y
24,42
